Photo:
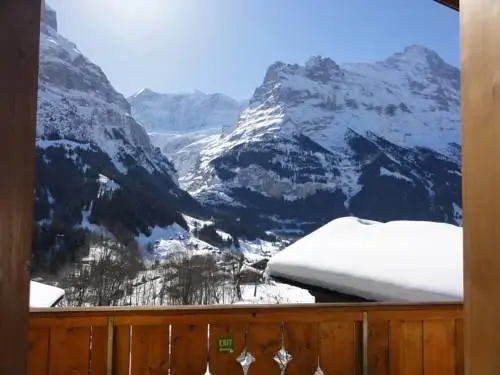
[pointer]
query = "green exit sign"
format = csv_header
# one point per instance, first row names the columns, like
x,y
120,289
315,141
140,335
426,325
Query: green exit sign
x,y
225,344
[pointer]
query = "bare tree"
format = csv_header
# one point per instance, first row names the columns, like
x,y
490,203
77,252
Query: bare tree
x,y
105,278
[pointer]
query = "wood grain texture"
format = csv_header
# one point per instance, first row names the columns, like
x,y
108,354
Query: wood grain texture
x,y
19,44
69,351
150,345
378,347
459,347
98,350
301,340
480,100
189,354
264,341
121,350
416,339
406,348
225,363
338,348
38,351
439,343
258,313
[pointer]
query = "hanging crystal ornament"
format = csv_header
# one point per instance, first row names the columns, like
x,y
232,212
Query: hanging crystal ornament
x,y
319,371
245,359
282,358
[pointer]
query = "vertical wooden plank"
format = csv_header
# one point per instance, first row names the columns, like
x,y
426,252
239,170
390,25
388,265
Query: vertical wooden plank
x,y
358,348
121,346
378,348
189,349
406,349
301,341
19,44
98,350
38,351
439,347
69,351
264,341
338,347
150,350
480,101
459,346
395,346
225,363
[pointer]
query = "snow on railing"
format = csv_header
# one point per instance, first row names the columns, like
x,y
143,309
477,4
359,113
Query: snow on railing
x,y
329,339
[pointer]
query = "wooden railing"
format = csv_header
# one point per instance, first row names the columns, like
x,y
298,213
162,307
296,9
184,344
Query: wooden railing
x,y
357,339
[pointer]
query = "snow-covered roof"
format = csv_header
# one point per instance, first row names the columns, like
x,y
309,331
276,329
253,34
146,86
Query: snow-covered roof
x,y
43,295
398,261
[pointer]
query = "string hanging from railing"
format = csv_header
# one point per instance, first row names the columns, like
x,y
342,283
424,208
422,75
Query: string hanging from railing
x,y
245,359
319,371
207,371
282,358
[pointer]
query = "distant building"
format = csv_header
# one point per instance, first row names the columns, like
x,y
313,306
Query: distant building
x,y
43,295
356,260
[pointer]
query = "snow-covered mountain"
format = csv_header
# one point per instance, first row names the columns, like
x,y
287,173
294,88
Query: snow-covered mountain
x,y
185,113
320,141
315,142
96,166
181,124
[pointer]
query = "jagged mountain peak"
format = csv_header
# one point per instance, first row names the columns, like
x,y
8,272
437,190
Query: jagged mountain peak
x,y
421,58
85,131
144,92
185,112
321,140
415,52
49,16
320,62
316,68
321,99
198,94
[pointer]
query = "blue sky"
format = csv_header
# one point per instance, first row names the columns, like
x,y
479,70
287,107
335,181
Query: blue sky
x,y
227,45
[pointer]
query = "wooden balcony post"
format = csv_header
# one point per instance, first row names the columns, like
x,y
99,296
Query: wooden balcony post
x,y
480,64
19,39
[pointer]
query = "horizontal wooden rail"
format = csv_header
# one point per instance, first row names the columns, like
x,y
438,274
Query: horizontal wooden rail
x,y
345,339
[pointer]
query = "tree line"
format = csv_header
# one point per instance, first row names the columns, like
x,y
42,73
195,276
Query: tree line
x,y
112,274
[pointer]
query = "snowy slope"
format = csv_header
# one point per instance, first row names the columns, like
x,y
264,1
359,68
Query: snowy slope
x,y
182,124
77,102
320,141
184,149
173,256
96,166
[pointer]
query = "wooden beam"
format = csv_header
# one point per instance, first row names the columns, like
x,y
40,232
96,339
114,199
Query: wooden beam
x,y
480,65
19,39
453,4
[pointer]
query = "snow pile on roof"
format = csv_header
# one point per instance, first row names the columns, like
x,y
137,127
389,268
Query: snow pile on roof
x,y
398,261
43,295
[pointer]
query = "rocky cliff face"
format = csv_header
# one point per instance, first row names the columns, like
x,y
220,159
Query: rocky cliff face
x,y
319,141
96,167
